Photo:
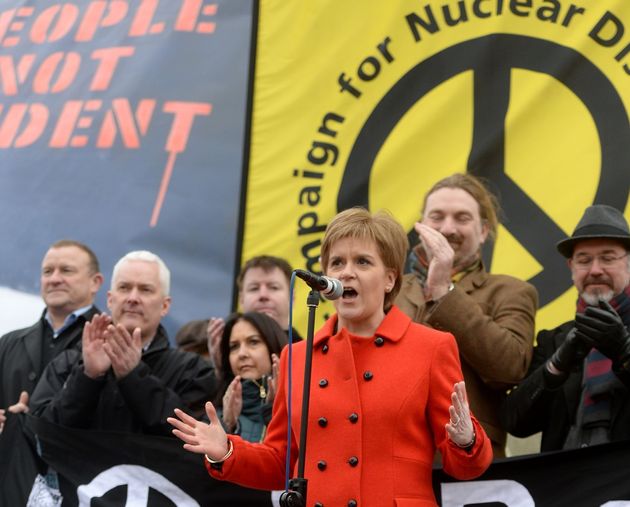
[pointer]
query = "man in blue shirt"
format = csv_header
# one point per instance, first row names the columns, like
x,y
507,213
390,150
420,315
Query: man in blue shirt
x,y
70,279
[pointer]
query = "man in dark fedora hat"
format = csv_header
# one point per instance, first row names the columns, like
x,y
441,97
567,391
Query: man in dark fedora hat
x,y
577,389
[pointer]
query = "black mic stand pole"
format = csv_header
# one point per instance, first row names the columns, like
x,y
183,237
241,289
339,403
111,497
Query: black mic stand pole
x,y
295,496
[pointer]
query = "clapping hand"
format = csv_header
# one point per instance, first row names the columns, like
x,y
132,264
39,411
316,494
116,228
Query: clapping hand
x,y
603,327
272,385
123,348
232,403
440,256
95,360
460,427
214,331
571,352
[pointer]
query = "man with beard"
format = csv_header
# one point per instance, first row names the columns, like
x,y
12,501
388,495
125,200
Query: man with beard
x,y
576,391
491,316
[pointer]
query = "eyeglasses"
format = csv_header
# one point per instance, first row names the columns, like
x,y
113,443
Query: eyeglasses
x,y
584,262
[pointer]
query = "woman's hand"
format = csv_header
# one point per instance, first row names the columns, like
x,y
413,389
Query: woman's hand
x,y
232,404
199,437
460,427
272,385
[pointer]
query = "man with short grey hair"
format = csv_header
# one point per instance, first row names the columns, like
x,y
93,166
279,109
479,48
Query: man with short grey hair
x,y
126,378
577,389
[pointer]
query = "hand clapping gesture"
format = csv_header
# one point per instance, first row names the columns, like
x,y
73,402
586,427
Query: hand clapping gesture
x,y
272,385
460,427
124,349
95,360
232,403
107,346
214,331
440,256
604,329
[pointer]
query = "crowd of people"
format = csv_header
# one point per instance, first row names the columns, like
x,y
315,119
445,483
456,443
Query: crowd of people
x,y
427,359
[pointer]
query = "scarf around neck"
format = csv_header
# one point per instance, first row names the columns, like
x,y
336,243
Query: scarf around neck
x,y
598,382
419,266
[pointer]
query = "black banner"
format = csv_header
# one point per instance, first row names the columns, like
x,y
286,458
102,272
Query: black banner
x,y
19,464
588,477
107,469
124,469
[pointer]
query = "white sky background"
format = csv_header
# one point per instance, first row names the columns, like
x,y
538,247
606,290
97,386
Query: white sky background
x,y
18,309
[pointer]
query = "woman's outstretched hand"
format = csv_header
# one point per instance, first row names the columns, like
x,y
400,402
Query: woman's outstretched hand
x,y
199,437
460,427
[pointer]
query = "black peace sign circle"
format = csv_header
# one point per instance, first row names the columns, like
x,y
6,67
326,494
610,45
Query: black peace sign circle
x,y
492,58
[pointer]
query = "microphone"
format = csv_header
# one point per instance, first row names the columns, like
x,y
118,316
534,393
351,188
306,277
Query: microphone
x,y
331,288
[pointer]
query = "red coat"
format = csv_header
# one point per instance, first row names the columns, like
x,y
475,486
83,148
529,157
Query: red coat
x,y
377,413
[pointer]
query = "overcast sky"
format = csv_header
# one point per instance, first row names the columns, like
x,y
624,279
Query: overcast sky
x,y
18,309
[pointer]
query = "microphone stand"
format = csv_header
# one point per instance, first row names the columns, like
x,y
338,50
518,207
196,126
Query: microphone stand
x,y
295,496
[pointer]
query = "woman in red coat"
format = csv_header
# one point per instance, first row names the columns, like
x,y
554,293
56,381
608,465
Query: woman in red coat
x,y
386,392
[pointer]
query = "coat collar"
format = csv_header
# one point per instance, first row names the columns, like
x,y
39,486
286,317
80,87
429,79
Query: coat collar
x,y
474,280
412,291
159,342
33,336
392,328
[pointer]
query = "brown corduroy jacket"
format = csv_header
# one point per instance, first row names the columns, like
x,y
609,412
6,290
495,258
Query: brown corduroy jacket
x,y
492,318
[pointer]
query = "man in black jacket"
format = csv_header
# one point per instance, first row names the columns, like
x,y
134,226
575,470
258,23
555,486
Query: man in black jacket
x,y
263,286
577,391
126,378
70,279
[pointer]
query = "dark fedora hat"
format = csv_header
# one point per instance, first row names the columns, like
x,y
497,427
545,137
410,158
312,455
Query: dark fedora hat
x,y
598,221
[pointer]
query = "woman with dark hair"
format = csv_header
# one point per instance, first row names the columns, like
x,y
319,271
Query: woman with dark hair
x,y
386,392
250,346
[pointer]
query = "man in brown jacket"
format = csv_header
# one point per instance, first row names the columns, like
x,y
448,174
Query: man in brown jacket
x,y
491,316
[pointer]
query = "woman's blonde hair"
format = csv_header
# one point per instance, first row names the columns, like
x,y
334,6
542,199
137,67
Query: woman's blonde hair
x,y
381,228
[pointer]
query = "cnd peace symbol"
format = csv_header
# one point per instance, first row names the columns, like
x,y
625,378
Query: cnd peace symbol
x,y
138,486
491,59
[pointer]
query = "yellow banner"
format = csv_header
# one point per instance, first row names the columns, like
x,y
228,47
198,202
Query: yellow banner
x,y
365,102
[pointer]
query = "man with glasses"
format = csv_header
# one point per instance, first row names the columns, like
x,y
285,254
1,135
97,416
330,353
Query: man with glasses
x,y
577,388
